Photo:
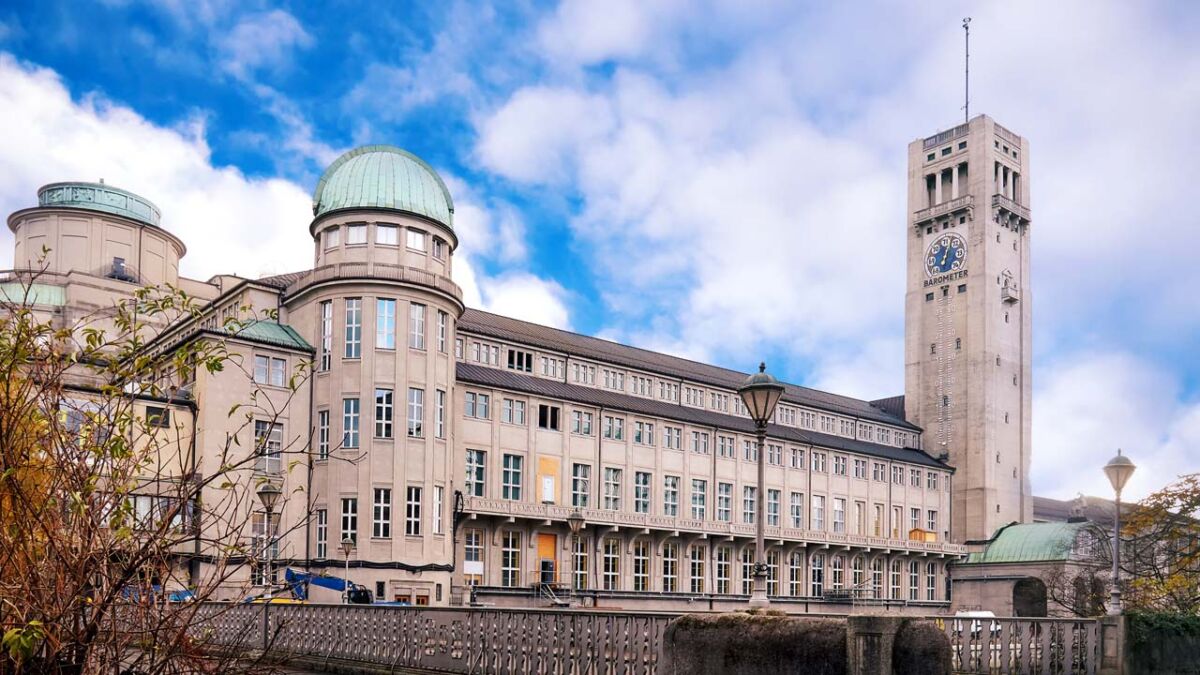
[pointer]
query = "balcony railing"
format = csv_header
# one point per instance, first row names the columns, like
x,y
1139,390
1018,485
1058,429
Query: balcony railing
x,y
362,270
948,135
1002,202
962,203
604,518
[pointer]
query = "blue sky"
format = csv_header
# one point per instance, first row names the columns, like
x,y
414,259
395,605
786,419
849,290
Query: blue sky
x,y
723,180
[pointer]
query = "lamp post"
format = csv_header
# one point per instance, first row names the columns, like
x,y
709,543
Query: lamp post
x,y
268,494
575,522
347,549
760,393
1118,470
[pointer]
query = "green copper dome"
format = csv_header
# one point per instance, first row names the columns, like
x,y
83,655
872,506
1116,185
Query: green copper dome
x,y
384,177
99,197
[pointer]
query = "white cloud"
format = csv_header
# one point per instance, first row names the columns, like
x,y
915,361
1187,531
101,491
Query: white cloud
x,y
1091,404
262,40
226,219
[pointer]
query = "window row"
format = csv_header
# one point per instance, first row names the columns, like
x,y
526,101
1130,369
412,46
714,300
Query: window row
x,y
415,517
385,235
385,328
821,513
384,419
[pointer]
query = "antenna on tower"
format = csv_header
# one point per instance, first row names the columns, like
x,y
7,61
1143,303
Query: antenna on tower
x,y
967,70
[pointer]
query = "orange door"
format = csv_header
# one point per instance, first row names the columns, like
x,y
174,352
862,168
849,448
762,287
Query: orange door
x,y
547,549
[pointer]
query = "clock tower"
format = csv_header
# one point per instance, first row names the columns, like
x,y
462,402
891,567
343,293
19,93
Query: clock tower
x,y
968,346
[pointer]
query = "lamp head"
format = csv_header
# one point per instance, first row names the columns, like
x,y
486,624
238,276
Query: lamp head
x,y
268,494
347,546
1118,470
761,393
575,521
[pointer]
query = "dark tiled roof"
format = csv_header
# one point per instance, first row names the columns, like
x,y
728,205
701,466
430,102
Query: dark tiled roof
x,y
892,405
564,342
508,380
282,280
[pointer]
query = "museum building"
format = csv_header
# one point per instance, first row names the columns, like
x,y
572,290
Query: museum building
x,y
473,457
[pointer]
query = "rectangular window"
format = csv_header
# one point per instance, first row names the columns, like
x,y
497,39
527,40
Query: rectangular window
x,y
476,405
818,462
416,326
747,570
878,471
773,508
818,512
725,502
931,521
473,553
641,492
699,499
519,360
381,514
724,559
440,415
326,334
931,581
796,574
581,563
415,240
383,413
914,478
512,411
511,477
817,566
612,489
670,567
268,442
333,237
439,248
387,235
798,458
612,564
475,473
914,518
437,508
510,559
700,442
349,423
385,323
696,570
412,512
442,330
860,468
641,565
671,495
797,510
416,412
262,364
581,423
931,480
839,465
839,514
726,447
898,475
914,580
322,517
322,434
643,433
158,417
353,328
581,482
350,518
614,427
548,417
356,234
672,437
749,503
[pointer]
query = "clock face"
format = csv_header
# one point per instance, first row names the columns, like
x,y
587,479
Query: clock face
x,y
948,253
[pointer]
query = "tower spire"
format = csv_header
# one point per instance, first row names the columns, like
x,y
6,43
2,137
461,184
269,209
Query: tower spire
x,y
967,69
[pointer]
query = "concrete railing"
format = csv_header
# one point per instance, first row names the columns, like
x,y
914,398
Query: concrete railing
x,y
450,640
603,518
1021,645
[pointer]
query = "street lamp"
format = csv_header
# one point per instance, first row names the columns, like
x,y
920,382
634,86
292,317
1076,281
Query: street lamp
x,y
760,393
575,522
347,549
268,494
1118,470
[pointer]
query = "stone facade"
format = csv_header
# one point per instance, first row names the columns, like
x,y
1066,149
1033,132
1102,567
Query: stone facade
x,y
452,445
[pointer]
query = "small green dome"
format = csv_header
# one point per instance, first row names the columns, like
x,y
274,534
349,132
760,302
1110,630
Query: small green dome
x,y
384,177
99,197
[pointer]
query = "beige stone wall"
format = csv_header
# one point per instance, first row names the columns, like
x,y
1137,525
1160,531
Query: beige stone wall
x,y
968,354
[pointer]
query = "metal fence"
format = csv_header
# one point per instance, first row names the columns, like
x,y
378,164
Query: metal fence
x,y
451,640
1004,645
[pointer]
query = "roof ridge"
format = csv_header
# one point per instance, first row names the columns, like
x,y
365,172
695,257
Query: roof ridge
x,y
731,372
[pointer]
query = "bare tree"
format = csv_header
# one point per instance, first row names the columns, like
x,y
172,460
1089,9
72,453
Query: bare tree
x,y
114,525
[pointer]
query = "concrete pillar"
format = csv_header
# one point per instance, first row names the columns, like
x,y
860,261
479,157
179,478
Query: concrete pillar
x,y
870,641
1113,646
996,180
954,182
937,189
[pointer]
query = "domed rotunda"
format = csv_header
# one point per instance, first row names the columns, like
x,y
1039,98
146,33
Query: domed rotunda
x,y
384,177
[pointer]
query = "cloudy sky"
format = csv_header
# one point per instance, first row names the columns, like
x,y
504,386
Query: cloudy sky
x,y
719,179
